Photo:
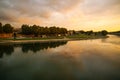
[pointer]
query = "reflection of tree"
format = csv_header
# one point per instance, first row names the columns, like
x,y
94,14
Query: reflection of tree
x,y
6,49
9,48
103,39
39,46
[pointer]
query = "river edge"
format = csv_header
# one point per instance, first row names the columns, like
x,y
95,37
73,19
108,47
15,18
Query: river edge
x,y
47,40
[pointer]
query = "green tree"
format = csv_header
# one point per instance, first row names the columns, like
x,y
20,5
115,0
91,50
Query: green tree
x,y
81,32
26,29
41,30
7,28
53,30
104,32
89,32
35,30
63,30
47,31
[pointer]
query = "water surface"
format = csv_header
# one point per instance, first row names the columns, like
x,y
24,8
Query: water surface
x,y
97,59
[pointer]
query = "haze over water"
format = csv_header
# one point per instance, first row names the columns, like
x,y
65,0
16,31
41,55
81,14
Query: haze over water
x,y
97,59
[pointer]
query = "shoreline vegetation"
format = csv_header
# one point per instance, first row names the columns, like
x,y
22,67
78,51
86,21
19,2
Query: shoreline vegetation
x,y
36,33
53,39
115,33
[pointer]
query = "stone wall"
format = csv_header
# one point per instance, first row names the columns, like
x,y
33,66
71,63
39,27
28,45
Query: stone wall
x,y
10,35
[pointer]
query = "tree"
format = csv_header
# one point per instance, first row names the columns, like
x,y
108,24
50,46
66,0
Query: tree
x,y
81,32
104,32
26,29
47,31
89,32
63,30
41,30
7,28
52,30
35,30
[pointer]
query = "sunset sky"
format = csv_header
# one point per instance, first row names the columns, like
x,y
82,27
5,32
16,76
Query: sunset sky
x,y
72,14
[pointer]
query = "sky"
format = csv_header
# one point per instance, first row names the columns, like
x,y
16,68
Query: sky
x,y
72,14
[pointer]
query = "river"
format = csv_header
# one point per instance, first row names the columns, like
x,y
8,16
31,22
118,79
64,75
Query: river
x,y
97,59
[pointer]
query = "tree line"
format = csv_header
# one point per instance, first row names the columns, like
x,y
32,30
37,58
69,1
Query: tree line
x,y
34,47
48,31
7,28
115,33
102,33
39,30
33,30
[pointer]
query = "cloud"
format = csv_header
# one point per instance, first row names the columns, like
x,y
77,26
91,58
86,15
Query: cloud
x,y
11,9
60,12
101,7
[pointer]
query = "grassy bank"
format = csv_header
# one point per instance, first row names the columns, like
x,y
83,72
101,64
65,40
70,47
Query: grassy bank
x,y
51,39
31,38
83,36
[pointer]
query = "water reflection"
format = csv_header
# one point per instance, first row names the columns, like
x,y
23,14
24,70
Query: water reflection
x,y
112,39
8,49
76,60
40,46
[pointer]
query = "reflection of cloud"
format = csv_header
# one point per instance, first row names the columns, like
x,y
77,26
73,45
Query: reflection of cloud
x,y
112,39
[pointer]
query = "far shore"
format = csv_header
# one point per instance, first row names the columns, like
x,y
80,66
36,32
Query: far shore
x,y
45,40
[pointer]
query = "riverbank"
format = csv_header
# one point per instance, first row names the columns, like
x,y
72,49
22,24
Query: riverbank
x,y
31,40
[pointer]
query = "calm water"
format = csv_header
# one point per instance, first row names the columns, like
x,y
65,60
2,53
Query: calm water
x,y
74,60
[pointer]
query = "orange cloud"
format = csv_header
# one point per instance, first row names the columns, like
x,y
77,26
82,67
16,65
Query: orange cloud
x,y
72,14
